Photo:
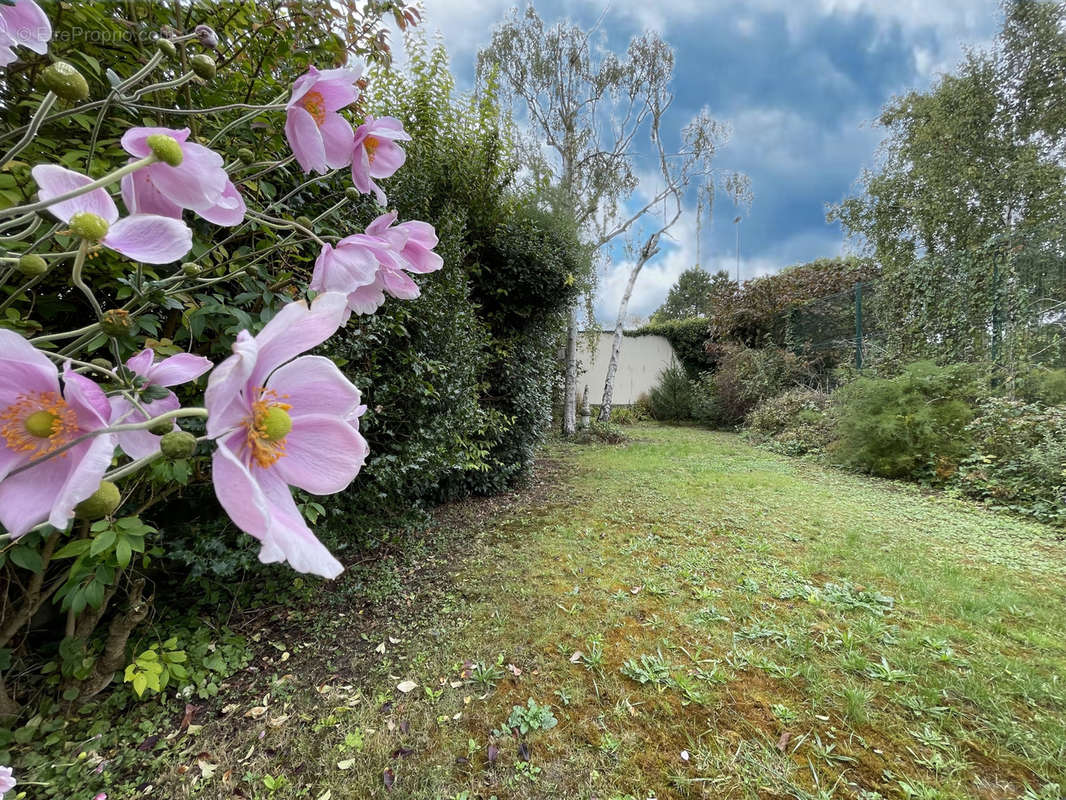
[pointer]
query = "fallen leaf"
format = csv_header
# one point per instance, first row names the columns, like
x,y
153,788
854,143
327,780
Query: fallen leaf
x,y
207,770
277,722
684,755
348,763
455,684
514,670
394,640
230,708
782,743
405,727
636,589
285,656
576,656
255,712
389,778
407,686
326,795
380,648
493,753
190,712
523,751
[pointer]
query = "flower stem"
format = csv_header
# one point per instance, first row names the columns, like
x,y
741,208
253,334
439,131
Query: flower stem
x,y
99,183
31,130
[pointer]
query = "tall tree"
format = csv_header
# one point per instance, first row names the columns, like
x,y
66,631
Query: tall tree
x,y
690,296
701,139
587,105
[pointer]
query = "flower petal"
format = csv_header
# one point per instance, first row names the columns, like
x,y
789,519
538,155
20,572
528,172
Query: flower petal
x,y
27,24
178,369
323,454
314,385
399,284
87,399
87,468
141,196
229,210
388,158
224,398
289,538
239,494
53,181
367,299
26,498
336,134
305,140
139,444
150,238
23,369
294,330
135,140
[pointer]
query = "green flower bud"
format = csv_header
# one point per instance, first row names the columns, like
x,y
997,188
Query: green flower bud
x,y
177,444
162,428
65,81
203,65
116,323
100,503
166,47
352,193
191,269
89,226
31,265
245,155
305,221
252,271
165,148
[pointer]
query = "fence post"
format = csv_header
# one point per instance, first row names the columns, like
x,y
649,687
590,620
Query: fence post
x,y
858,325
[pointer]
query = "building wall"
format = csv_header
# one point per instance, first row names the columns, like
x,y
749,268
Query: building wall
x,y
640,361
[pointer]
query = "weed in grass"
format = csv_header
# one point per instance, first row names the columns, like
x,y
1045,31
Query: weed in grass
x,y
648,669
857,701
485,675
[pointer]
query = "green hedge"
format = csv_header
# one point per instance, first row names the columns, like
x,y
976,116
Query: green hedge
x,y
688,337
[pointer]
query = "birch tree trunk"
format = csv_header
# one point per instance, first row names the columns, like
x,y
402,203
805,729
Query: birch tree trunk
x,y
646,254
570,387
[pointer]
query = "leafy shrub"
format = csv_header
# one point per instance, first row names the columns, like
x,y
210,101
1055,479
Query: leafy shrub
x,y
1018,461
1047,386
706,408
747,376
794,423
629,415
671,399
910,426
602,432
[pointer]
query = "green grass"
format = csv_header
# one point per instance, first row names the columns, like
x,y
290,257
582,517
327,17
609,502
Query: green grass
x,y
704,619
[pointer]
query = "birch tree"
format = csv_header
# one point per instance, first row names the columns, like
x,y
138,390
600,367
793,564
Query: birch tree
x,y
700,140
588,106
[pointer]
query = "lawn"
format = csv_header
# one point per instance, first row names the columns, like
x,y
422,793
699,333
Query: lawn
x,y
680,616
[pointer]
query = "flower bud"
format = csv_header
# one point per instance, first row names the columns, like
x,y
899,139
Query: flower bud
x,y
245,155
116,323
166,47
31,265
165,148
252,271
65,81
304,221
177,444
352,193
191,269
203,65
89,226
206,36
100,503
162,428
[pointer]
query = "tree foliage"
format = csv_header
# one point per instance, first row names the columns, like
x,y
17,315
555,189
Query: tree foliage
x,y
690,296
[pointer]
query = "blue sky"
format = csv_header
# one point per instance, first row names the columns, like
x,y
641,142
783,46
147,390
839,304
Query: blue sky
x,y
800,82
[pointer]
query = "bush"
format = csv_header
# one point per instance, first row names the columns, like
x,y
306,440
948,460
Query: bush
x,y
910,426
1047,386
795,423
747,376
706,407
629,415
672,398
601,432
1018,461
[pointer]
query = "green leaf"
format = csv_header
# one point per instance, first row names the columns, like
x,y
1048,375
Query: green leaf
x,y
103,542
27,558
76,548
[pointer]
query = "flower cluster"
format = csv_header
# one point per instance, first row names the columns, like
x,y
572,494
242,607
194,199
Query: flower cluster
x,y
276,418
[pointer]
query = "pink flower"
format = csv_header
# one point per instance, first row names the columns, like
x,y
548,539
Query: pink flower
x,y
172,371
198,183
36,419
393,249
23,23
150,238
281,421
320,138
376,154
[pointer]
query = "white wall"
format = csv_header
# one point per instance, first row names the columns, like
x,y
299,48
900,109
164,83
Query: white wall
x,y
640,361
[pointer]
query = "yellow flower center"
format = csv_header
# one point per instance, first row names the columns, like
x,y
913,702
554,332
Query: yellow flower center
x,y
371,144
315,105
38,423
267,427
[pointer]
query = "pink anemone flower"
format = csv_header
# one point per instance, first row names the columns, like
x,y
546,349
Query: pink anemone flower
x,y
392,249
150,238
281,421
37,418
22,22
198,183
172,371
320,138
376,154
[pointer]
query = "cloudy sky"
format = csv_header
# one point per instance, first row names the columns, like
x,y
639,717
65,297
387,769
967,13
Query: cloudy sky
x,y
800,81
